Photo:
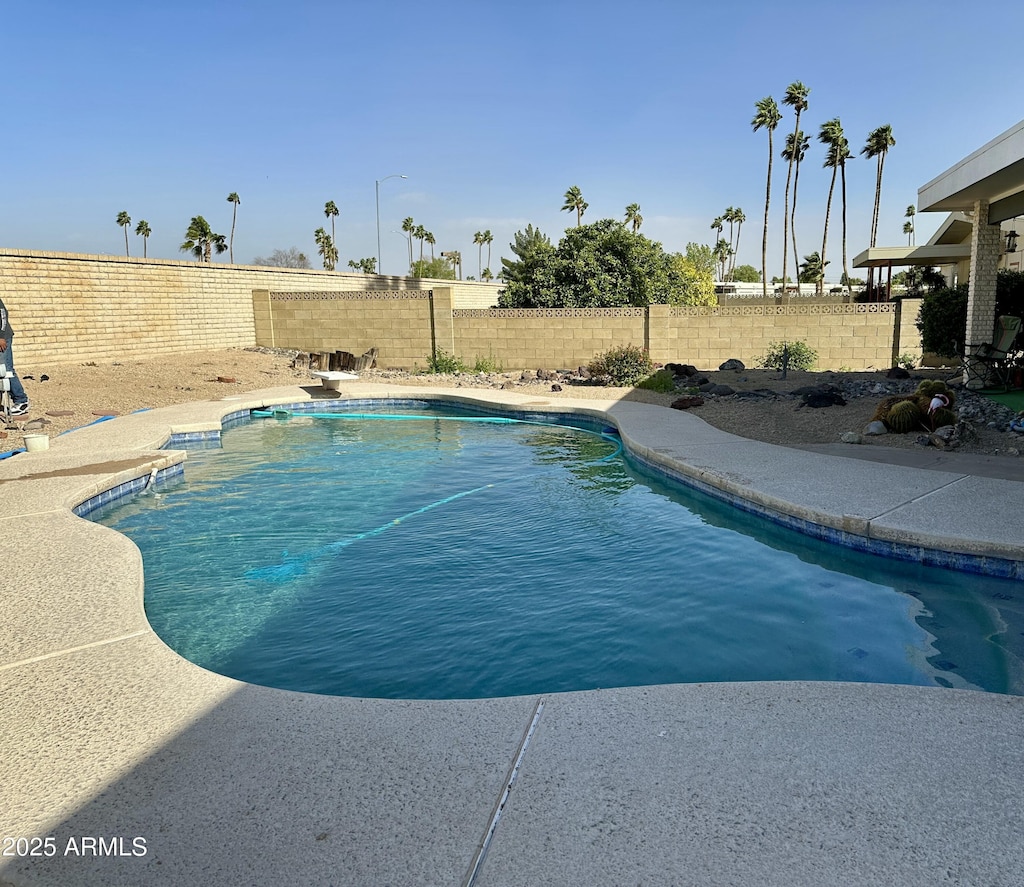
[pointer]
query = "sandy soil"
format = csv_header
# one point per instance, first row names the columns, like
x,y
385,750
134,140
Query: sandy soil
x,y
67,396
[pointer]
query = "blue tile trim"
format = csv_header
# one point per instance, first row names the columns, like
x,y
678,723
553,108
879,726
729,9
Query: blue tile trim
x,y
128,488
1002,568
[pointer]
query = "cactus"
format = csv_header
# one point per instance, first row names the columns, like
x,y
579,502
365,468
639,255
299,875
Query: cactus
x,y
882,410
943,416
904,416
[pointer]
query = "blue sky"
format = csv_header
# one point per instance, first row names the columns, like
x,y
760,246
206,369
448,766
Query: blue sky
x,y
492,110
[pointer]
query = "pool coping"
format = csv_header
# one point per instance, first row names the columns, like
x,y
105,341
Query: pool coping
x,y
106,729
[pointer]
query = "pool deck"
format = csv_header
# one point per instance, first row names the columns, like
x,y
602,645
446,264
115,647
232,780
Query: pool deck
x,y
107,734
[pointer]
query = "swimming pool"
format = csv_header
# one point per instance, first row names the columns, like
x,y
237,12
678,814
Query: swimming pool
x,y
442,558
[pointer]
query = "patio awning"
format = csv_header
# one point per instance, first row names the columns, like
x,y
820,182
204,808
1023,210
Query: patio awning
x,y
931,254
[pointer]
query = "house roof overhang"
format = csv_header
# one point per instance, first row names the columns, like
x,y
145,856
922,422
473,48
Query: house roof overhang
x,y
941,254
995,172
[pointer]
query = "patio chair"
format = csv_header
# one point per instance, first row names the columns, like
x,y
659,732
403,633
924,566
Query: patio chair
x,y
990,364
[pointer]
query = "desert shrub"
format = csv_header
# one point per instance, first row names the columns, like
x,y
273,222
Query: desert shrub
x,y
625,365
443,362
907,361
801,356
486,365
662,381
942,321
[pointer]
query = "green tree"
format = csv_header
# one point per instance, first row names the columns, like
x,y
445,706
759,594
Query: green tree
x,y
420,233
795,150
143,230
574,201
437,269
201,241
837,152
364,266
409,226
767,116
909,215
746,274
325,246
486,274
633,217
478,239
796,98
717,225
124,220
879,142
533,250
908,229
331,212
429,238
234,200
603,264
721,252
284,258
812,269
692,276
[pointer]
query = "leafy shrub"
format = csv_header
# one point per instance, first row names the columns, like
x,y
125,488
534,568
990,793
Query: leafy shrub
x,y
486,365
801,356
907,361
443,362
625,365
942,321
662,381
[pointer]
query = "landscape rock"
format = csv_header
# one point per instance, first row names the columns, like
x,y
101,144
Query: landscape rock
x,y
733,364
527,376
684,403
897,373
545,375
851,437
875,428
556,387
716,390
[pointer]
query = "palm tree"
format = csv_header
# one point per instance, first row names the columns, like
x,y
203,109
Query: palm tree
x,y
796,97
721,254
124,220
420,233
478,239
909,215
796,148
908,229
408,226
331,211
812,270
326,248
879,142
429,238
143,230
739,218
830,134
574,201
767,117
233,199
633,217
488,239
717,225
201,241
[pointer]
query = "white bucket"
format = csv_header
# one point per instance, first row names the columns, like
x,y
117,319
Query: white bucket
x,y
36,443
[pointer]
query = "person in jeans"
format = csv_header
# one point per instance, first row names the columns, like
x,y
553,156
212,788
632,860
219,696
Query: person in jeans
x,y
18,396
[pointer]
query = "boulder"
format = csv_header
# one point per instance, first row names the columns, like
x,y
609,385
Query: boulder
x,y
851,437
684,403
876,428
897,373
733,364
527,376
684,370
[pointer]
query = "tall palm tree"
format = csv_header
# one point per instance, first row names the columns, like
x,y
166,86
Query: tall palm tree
x,y
478,239
420,233
728,216
767,116
795,150
717,225
796,98
233,199
633,217
331,211
124,220
909,215
574,201
908,229
721,254
879,142
830,134
201,241
739,218
143,230
408,226
326,248
429,238
488,239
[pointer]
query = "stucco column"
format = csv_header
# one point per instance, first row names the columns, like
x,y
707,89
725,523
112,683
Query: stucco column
x,y
986,243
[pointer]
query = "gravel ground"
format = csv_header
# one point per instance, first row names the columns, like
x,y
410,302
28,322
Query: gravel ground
x,y
763,407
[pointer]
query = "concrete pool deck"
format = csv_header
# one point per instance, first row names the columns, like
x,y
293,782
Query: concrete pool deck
x,y
144,769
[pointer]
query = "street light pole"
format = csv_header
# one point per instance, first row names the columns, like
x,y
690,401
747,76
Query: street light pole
x,y
380,270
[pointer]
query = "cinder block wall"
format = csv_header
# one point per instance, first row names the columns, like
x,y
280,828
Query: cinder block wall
x,y
68,307
520,338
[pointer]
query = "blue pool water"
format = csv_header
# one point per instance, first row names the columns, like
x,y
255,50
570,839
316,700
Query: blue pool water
x,y
435,559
